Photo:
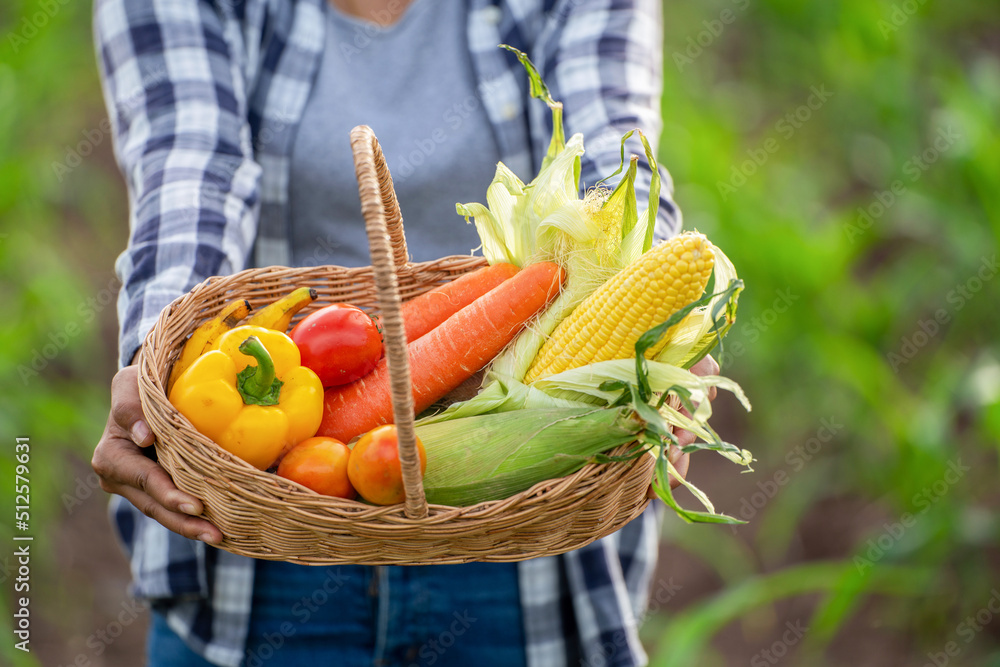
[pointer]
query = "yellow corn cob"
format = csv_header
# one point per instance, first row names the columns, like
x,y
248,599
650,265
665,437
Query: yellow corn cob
x,y
607,323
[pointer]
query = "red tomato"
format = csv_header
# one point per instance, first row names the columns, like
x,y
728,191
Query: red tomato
x,y
340,343
321,465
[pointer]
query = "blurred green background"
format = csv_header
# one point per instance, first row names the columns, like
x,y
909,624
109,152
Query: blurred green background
x,y
844,154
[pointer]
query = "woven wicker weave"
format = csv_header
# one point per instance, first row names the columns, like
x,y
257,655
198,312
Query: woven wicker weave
x,y
264,516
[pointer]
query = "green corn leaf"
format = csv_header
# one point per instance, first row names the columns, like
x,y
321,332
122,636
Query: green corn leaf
x,y
654,194
661,486
621,204
704,327
540,91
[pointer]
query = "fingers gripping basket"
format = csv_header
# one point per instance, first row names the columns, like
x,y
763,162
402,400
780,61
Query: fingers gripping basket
x,y
264,516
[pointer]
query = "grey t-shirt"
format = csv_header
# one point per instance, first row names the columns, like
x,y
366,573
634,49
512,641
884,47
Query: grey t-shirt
x,y
413,83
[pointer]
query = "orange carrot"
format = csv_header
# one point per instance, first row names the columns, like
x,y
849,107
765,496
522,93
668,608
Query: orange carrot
x,y
426,311
447,356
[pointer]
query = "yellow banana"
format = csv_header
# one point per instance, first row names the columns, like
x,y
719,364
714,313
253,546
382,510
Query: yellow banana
x,y
206,334
278,315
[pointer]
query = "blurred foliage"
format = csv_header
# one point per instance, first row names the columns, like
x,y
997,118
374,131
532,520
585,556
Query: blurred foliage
x,y
866,228
62,221
864,225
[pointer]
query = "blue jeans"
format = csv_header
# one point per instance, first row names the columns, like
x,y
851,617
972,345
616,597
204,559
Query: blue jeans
x,y
353,616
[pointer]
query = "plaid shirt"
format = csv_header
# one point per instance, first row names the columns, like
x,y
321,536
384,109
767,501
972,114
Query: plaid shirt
x,y
205,96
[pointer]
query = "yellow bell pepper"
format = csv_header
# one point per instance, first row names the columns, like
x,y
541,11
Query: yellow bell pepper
x,y
251,395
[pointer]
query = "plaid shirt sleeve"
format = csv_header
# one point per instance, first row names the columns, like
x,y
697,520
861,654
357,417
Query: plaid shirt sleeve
x,y
177,103
178,109
603,59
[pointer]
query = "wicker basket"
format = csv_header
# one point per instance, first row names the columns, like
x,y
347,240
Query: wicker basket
x,y
264,516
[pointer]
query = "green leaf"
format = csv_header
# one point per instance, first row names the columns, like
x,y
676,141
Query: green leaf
x,y
491,233
691,630
652,336
621,204
661,486
540,91
654,194
538,88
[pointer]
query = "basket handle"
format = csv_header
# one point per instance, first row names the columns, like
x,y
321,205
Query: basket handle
x,y
390,205
384,224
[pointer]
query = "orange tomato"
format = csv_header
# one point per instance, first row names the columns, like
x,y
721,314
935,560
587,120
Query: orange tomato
x,y
319,464
374,467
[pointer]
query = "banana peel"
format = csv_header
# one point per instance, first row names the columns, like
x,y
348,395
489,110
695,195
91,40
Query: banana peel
x,y
203,337
278,315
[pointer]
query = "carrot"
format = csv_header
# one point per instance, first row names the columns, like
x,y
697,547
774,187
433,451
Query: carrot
x,y
446,356
426,311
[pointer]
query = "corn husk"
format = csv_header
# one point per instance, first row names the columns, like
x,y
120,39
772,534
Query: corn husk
x,y
593,237
494,456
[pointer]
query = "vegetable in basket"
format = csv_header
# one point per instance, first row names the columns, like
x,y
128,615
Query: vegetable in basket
x,y
494,456
319,464
374,468
447,356
579,354
206,334
276,315
250,395
340,342
423,313
609,322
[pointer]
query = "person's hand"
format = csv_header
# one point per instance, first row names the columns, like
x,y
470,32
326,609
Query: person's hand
x,y
124,469
681,461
